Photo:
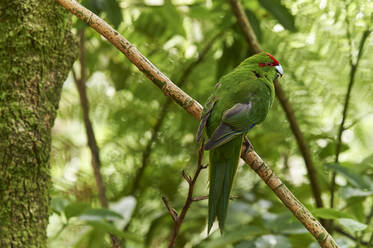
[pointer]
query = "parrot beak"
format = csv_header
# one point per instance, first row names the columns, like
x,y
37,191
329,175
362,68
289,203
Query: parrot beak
x,y
279,70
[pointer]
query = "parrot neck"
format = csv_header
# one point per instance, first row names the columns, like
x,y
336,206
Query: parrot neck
x,y
269,82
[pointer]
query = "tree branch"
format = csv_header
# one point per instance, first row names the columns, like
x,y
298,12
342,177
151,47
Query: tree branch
x,y
92,144
341,129
163,113
189,200
195,109
285,104
170,209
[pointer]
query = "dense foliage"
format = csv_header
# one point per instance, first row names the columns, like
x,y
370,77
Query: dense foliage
x,y
313,40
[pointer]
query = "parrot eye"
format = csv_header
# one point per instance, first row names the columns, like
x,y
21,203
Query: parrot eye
x,y
266,64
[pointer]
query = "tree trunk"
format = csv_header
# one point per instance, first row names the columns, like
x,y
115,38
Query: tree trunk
x,y
36,53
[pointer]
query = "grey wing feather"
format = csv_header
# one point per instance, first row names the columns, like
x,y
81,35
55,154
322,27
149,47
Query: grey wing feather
x,y
202,126
222,134
227,130
204,119
236,110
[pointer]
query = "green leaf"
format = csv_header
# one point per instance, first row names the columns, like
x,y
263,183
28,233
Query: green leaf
x,y
156,226
113,12
58,204
368,161
96,239
355,179
285,223
254,23
93,5
245,244
280,12
330,148
348,192
110,7
75,209
355,206
329,213
99,214
301,240
273,241
119,73
110,228
232,56
199,11
173,18
234,236
352,225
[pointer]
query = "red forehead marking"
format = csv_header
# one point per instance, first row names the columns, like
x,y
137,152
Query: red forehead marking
x,y
274,63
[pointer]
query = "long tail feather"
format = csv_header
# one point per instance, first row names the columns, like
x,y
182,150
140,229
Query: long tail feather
x,y
223,167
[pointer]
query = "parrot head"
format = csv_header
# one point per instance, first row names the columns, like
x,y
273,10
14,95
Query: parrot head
x,y
263,64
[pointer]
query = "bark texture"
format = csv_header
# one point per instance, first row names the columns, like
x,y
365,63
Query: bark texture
x,y
36,53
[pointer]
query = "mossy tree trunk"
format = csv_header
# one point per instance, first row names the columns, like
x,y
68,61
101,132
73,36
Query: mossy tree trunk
x,y
36,53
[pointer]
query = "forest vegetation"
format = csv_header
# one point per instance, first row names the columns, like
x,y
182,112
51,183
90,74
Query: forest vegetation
x,y
114,162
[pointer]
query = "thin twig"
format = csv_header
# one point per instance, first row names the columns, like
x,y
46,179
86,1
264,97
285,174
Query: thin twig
x,y
341,129
341,231
189,200
92,144
358,119
201,198
285,104
205,197
195,109
164,111
172,211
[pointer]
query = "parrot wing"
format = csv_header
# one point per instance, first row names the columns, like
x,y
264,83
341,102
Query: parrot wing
x,y
206,113
230,126
204,118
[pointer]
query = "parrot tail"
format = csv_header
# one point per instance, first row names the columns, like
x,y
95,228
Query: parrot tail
x,y
223,167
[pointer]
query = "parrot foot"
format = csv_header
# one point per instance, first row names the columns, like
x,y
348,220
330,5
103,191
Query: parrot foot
x,y
249,146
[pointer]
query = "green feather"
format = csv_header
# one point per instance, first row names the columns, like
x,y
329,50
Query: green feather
x,y
242,99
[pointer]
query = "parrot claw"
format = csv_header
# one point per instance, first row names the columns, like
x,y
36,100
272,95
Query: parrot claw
x,y
249,146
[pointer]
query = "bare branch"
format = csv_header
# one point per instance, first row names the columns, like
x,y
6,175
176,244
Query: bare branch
x,y
195,109
285,104
245,26
342,128
205,197
189,200
186,177
172,211
200,198
92,144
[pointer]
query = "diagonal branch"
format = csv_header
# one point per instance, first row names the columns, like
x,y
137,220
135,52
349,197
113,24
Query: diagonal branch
x,y
195,109
92,144
163,114
285,104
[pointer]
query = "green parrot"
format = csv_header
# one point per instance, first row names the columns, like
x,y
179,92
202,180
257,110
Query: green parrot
x,y
241,99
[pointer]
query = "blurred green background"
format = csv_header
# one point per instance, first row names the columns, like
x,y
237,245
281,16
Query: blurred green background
x,y
314,42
